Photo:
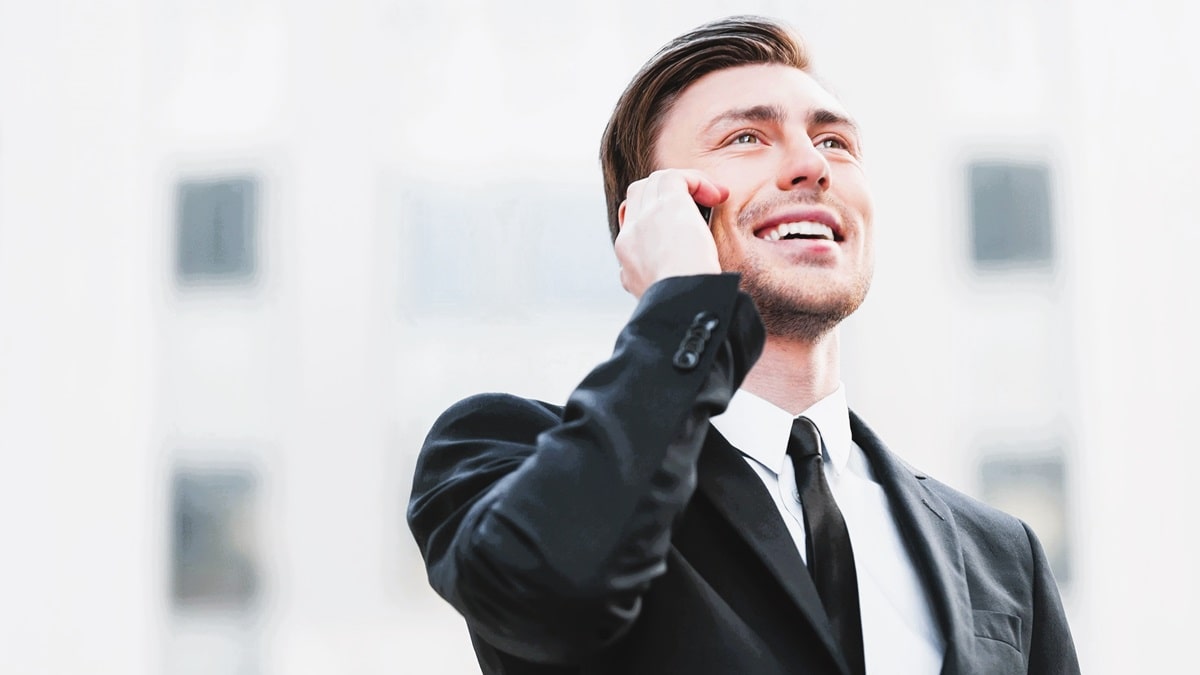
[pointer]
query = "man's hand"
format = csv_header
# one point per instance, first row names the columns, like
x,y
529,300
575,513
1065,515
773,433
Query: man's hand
x,y
662,232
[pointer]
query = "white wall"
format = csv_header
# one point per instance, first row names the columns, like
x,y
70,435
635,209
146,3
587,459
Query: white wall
x,y
80,577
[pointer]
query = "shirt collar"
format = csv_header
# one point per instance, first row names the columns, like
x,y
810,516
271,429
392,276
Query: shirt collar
x,y
760,429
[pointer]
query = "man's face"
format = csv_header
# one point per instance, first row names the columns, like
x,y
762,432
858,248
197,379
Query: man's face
x,y
797,223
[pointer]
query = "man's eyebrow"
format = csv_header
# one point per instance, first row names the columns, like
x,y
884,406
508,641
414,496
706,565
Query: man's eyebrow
x,y
758,113
777,115
825,116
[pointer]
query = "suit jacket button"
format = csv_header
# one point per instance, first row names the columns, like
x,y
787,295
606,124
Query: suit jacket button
x,y
707,321
686,359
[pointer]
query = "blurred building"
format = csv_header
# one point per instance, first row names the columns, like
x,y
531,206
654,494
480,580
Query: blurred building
x,y
250,250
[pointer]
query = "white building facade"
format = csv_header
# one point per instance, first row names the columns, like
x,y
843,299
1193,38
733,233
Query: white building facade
x,y
250,250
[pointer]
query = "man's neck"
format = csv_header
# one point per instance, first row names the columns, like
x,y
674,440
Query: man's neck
x,y
794,374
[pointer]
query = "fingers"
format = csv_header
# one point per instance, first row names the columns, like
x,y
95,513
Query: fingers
x,y
699,186
662,233
670,185
633,200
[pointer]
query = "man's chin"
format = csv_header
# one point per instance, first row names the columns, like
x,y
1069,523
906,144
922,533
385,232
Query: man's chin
x,y
802,318
798,325
789,311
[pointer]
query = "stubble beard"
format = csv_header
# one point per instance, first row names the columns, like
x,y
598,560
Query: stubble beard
x,y
788,310
793,314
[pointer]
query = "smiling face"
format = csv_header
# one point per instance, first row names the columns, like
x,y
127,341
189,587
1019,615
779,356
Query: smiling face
x,y
797,224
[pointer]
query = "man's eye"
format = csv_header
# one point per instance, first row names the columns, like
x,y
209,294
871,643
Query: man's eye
x,y
745,138
832,144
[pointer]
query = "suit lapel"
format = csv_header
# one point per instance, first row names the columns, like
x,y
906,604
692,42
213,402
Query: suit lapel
x,y
928,528
738,493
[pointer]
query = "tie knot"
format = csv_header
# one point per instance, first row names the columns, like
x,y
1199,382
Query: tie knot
x,y
805,440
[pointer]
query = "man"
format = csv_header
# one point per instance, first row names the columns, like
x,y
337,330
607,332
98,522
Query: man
x,y
640,530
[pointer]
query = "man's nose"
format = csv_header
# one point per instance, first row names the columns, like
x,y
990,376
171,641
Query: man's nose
x,y
804,167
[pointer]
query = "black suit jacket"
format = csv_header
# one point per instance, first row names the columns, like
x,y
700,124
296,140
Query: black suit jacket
x,y
622,534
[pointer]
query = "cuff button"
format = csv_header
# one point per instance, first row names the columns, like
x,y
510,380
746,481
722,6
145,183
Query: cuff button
x,y
686,359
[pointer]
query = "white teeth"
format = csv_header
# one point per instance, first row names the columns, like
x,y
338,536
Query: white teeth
x,y
806,227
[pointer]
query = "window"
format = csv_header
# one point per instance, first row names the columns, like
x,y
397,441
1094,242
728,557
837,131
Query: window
x,y
214,556
1010,210
215,227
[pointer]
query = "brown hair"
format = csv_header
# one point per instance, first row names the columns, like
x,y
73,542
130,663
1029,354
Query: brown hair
x,y
627,146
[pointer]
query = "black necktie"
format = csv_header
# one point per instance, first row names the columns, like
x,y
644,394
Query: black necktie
x,y
830,557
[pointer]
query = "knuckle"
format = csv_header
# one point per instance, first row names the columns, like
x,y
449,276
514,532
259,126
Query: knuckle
x,y
621,247
668,174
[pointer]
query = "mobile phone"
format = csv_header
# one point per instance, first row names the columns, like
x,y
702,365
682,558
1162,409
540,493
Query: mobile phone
x,y
706,213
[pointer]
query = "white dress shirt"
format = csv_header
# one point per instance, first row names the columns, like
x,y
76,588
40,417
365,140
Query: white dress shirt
x,y
900,635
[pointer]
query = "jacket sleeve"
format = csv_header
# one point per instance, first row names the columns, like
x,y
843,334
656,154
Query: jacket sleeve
x,y
1051,650
544,529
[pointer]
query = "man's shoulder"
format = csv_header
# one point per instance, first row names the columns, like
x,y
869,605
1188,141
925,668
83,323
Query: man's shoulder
x,y
989,538
970,511
500,403
483,435
493,411
975,520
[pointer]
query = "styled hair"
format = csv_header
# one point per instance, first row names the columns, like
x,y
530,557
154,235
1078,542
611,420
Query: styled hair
x,y
627,146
